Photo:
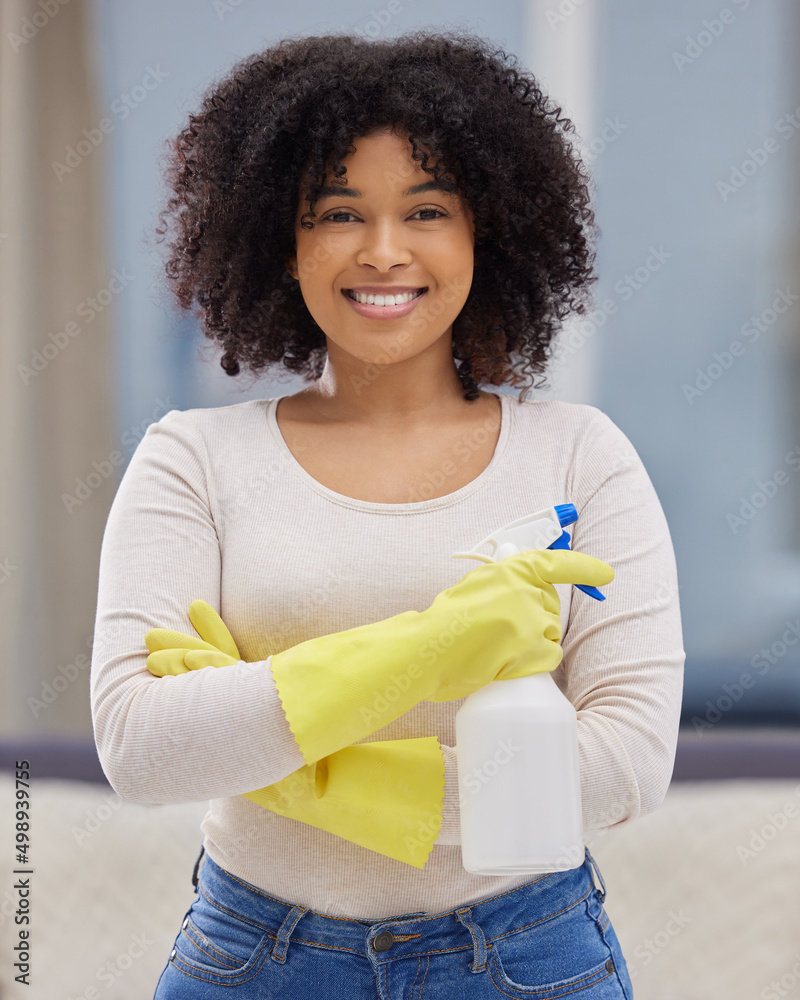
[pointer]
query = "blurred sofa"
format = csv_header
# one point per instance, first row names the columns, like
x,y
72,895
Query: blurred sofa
x,y
704,893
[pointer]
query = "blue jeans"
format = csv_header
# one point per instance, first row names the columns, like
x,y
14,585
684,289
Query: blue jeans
x,y
548,938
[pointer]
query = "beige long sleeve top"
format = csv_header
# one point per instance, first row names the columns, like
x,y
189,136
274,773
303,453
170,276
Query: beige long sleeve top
x,y
214,506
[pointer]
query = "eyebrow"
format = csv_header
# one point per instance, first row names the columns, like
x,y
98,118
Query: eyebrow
x,y
334,190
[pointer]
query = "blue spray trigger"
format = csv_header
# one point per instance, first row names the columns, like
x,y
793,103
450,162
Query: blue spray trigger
x,y
563,543
531,532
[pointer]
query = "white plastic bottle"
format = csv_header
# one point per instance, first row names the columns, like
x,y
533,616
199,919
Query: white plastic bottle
x,y
517,747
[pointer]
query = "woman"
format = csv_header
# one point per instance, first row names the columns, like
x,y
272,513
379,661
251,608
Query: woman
x,y
319,175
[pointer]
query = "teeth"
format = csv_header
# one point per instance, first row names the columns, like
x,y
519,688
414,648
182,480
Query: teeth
x,y
383,300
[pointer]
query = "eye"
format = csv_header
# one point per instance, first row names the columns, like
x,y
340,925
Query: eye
x,y
337,215
439,213
332,216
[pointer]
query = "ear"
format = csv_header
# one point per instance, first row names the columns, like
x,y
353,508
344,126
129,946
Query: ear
x,y
291,266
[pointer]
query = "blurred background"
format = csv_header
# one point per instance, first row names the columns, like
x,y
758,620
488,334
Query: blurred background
x,y
688,113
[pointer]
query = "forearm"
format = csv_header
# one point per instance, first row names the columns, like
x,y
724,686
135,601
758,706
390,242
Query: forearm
x,y
627,756
625,773
201,735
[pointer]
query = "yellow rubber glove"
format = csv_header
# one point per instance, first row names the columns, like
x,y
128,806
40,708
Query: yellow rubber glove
x,y
385,796
177,652
500,621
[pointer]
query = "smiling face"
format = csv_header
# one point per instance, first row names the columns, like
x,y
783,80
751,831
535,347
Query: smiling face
x,y
386,229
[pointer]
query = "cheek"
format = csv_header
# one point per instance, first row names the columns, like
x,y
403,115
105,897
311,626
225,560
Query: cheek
x,y
459,252
313,256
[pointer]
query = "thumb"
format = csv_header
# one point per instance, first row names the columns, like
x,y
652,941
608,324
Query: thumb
x,y
566,566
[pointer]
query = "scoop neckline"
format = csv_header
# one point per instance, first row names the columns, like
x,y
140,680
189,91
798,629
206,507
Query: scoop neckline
x,y
415,506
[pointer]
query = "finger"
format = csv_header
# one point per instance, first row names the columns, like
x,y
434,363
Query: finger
x,y
196,659
565,566
320,769
212,628
167,661
544,662
164,638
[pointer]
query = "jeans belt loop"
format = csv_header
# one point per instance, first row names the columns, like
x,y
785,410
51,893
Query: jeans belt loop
x,y
288,925
464,916
602,895
197,866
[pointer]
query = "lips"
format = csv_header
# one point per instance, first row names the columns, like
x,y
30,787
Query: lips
x,y
386,290
372,311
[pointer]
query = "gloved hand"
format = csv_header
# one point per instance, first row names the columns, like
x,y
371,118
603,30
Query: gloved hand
x,y
500,621
385,796
177,652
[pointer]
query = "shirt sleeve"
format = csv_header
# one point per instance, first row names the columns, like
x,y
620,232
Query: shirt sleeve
x,y
450,830
205,734
623,660
623,657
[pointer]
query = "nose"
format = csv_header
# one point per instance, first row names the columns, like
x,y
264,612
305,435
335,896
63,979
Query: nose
x,y
383,245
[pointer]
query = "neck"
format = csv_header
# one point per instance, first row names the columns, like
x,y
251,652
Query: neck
x,y
414,390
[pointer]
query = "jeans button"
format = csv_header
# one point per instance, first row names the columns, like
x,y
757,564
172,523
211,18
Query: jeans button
x,y
185,922
610,965
173,953
384,941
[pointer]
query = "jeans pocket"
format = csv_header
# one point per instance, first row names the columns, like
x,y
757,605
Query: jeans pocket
x,y
218,945
562,955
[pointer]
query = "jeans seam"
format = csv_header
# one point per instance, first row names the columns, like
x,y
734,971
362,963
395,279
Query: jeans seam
x,y
218,956
499,987
542,920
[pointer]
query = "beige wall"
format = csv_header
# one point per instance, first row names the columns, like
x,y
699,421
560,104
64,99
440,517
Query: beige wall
x,y
56,421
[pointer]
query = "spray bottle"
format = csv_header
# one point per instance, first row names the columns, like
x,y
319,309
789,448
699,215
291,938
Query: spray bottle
x,y
517,746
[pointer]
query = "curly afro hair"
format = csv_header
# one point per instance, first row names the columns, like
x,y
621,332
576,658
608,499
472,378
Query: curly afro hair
x,y
271,130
